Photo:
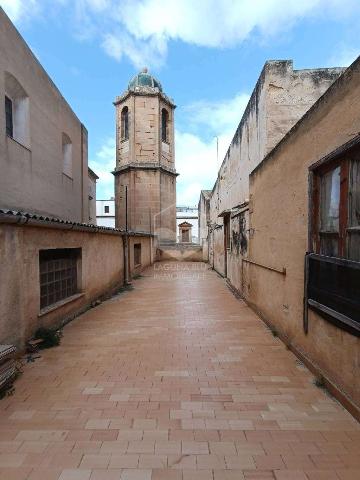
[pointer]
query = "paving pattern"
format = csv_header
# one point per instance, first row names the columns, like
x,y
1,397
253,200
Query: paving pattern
x,y
175,380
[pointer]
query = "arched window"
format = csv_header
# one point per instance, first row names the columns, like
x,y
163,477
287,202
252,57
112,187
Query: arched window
x,y
125,123
16,111
164,125
67,155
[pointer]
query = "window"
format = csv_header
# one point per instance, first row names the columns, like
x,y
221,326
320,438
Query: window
x,y
137,254
333,264
125,123
9,117
336,208
16,111
227,231
164,125
58,274
106,209
67,155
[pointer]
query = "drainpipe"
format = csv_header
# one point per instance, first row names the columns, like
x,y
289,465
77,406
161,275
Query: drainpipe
x,y
126,242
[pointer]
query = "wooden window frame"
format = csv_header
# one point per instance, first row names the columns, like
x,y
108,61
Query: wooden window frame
x,y
344,165
327,294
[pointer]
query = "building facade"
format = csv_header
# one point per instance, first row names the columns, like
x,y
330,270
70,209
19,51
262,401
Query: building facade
x,y
105,212
92,196
281,97
145,175
43,145
289,243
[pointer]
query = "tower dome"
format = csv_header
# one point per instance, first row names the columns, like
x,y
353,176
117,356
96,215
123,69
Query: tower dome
x,y
144,79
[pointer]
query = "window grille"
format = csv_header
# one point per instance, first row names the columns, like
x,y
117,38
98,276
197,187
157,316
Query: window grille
x,y
58,275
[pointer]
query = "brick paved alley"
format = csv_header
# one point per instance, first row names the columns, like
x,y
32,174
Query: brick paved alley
x,y
174,380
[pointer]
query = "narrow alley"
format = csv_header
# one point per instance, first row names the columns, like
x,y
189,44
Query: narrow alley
x,y
174,380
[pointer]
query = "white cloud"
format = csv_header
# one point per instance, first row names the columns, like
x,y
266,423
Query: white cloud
x,y
103,164
343,56
209,23
196,159
19,9
142,29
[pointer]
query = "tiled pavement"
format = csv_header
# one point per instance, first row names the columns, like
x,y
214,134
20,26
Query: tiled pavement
x,y
175,380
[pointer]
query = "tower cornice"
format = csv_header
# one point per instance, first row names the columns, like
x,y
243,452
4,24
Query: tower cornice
x,y
144,91
144,166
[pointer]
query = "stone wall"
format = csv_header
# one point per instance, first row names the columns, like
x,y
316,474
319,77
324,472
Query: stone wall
x,y
102,272
32,177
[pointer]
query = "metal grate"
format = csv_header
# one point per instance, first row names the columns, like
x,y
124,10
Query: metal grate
x,y
58,275
333,289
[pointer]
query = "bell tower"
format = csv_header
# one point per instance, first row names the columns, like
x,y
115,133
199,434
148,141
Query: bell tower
x,y
145,175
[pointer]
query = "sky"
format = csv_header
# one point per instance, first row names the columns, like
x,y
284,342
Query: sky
x,y
208,55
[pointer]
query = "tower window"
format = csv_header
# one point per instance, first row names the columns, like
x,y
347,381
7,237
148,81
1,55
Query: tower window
x,y
164,125
106,209
125,123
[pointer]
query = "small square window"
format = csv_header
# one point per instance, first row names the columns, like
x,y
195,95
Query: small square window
x,y
106,209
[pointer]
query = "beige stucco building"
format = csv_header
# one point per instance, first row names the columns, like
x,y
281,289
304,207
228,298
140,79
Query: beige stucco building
x,y
280,98
92,178
283,217
145,176
53,264
43,145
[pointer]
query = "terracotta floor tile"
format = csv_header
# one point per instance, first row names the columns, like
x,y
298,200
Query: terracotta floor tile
x,y
176,379
71,474
102,474
166,474
136,475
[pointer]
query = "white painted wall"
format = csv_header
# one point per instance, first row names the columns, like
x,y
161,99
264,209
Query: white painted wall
x,y
104,219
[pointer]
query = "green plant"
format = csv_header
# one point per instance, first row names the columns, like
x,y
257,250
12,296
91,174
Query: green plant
x,y
274,332
319,381
50,338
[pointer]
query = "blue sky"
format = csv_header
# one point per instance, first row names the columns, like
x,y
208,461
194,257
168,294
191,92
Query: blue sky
x,y
207,54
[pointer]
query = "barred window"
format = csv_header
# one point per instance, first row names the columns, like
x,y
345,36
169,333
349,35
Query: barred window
x,y
332,267
58,274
